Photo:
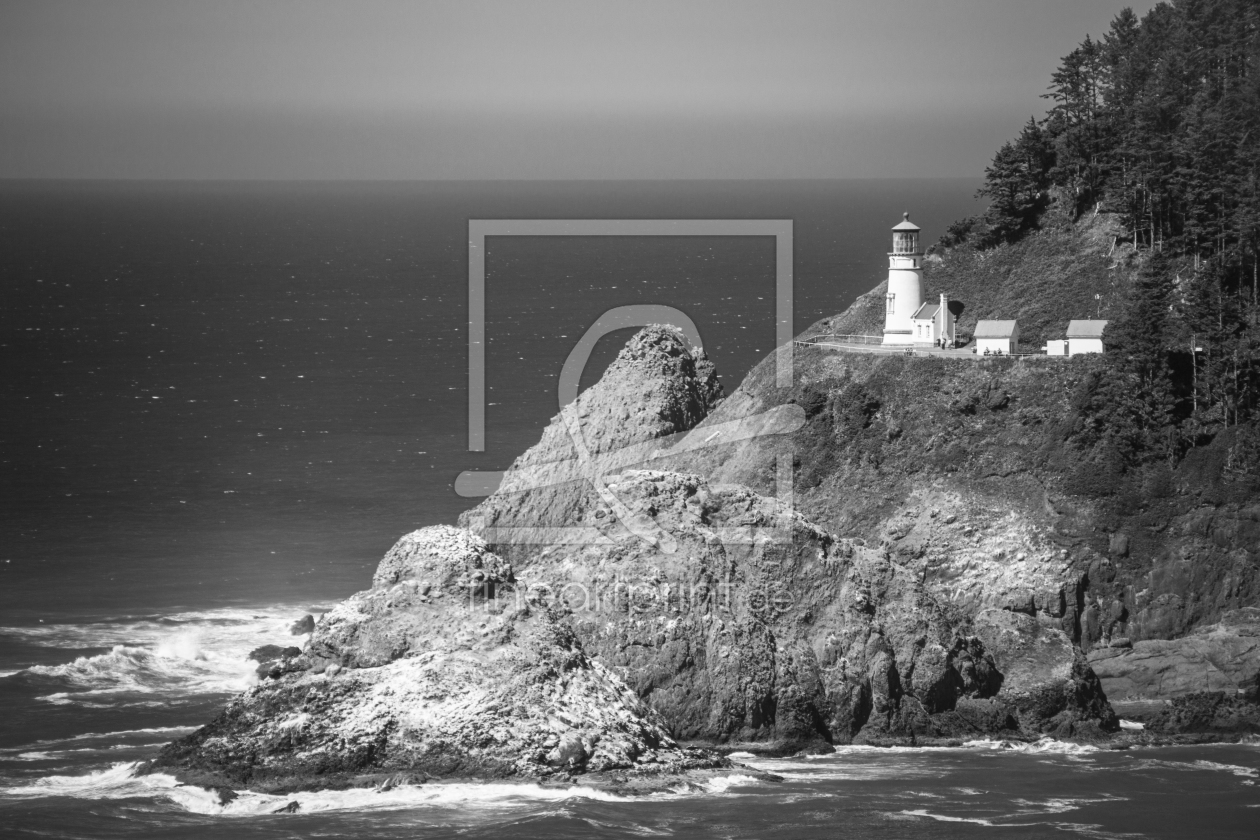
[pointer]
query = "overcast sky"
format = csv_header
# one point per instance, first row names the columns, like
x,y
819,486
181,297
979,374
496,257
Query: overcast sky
x,y
547,89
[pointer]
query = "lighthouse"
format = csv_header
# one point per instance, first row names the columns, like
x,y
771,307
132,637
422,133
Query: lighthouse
x,y
905,283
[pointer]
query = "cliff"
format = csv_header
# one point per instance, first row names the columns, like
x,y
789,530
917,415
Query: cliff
x,y
1004,480
740,620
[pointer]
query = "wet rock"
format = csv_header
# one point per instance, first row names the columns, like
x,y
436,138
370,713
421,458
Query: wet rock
x,y
1046,680
303,626
1207,712
274,660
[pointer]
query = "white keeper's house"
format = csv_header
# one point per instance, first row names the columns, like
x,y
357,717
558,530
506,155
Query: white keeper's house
x,y
907,319
1001,337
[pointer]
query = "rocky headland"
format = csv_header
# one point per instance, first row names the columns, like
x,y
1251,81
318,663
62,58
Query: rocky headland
x,y
638,598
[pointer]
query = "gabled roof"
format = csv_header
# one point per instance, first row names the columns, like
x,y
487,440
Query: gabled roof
x,y
994,329
927,310
1086,329
906,224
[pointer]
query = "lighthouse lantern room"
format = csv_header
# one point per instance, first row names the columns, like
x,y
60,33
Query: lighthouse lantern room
x,y
905,283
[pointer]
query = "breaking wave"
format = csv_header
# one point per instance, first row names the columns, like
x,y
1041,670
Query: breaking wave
x,y
121,781
173,655
1045,746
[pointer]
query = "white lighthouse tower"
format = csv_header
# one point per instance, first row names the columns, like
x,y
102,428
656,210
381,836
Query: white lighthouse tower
x,y
905,283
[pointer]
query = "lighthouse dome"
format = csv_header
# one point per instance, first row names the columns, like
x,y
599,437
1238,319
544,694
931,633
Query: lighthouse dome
x,y
906,224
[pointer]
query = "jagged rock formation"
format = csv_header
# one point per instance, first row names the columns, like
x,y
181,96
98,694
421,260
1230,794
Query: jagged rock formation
x,y
872,646
761,626
426,675
656,387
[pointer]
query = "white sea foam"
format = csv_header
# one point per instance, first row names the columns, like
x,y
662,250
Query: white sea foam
x,y
139,738
1025,808
923,812
1058,805
121,781
721,784
1211,766
1093,830
201,652
1236,769
1044,746
834,769
175,665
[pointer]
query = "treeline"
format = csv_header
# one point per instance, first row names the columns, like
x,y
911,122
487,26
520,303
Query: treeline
x,y
1158,122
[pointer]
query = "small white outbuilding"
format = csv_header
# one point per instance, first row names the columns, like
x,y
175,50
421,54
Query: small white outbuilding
x,y
1085,337
997,337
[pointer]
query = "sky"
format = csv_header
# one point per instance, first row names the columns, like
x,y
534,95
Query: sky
x,y
477,89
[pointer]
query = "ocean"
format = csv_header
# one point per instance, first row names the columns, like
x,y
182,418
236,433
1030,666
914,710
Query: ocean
x,y
225,401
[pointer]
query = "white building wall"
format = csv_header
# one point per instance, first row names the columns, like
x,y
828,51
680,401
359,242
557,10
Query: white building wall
x,y
993,345
905,284
1077,346
1058,347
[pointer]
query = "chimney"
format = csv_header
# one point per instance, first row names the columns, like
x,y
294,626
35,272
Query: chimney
x,y
946,332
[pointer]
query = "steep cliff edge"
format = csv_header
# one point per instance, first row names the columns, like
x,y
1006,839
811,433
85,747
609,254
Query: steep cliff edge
x,y
1004,479
817,637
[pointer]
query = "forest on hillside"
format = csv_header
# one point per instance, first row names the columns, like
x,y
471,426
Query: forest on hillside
x,y
1158,123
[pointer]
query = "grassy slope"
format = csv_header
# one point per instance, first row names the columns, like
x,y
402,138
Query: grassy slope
x,y
1043,281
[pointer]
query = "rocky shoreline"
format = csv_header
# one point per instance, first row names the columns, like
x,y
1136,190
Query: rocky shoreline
x,y
688,614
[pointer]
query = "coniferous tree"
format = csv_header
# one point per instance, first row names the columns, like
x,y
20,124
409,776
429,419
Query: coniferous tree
x,y
1158,122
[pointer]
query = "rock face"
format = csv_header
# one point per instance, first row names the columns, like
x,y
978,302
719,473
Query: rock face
x,y
425,675
1206,681
1046,680
761,626
749,622
976,470
656,387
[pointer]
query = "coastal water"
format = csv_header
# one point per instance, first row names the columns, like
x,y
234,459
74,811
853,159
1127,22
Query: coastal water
x,y
223,402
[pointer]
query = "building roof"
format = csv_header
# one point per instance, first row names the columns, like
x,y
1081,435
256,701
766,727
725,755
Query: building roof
x,y
1086,329
927,310
994,329
906,224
